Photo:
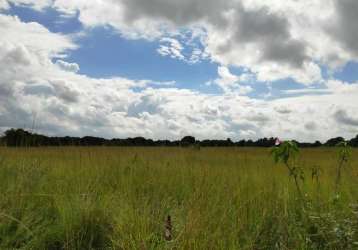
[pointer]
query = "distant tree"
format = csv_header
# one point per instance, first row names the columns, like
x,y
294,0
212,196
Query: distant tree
x,y
265,142
334,141
229,142
317,144
354,142
187,141
250,143
92,141
240,143
23,138
17,137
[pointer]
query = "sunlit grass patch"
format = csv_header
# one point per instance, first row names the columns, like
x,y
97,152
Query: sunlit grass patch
x,y
217,198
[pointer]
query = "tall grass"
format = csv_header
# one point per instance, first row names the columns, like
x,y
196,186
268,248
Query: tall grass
x,y
120,198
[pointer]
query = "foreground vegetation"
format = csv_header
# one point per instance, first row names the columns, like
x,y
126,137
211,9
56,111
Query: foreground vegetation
x,y
217,198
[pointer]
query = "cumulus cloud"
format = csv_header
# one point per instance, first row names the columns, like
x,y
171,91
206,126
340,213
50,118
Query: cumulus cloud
x,y
226,80
65,92
188,52
346,29
343,117
72,67
4,5
36,4
47,44
171,47
282,110
310,126
273,41
233,33
229,82
266,34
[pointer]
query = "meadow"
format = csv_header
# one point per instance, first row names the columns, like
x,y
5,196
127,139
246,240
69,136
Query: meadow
x,y
217,198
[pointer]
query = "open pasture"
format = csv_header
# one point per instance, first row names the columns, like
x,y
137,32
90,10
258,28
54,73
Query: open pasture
x,y
217,198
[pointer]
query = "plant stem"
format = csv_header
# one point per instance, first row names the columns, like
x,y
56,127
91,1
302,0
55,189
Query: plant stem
x,y
338,176
291,171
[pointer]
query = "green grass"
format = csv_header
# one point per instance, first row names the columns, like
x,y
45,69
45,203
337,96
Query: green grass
x,y
218,198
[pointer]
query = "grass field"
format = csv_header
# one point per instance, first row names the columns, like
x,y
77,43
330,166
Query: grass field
x,y
218,198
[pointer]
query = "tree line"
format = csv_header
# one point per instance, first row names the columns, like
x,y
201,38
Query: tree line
x,y
23,138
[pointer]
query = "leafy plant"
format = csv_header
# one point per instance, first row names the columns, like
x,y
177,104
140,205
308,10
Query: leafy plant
x,y
286,152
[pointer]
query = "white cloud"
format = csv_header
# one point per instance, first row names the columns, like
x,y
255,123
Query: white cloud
x,y
226,79
188,52
45,43
4,5
36,4
72,67
343,117
229,82
337,86
66,102
274,40
171,47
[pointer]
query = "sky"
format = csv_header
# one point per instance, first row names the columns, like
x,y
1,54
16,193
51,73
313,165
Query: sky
x,y
164,69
